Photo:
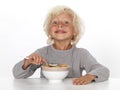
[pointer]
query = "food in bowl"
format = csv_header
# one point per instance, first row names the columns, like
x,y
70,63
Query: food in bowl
x,y
55,73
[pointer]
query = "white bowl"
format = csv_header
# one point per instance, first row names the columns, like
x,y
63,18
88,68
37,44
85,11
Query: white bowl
x,y
55,74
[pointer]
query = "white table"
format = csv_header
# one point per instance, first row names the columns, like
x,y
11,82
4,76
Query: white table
x,y
43,84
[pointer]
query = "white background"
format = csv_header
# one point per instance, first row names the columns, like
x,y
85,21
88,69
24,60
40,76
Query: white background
x,y
21,30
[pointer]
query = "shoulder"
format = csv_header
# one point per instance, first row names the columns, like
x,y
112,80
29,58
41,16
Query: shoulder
x,y
81,50
42,50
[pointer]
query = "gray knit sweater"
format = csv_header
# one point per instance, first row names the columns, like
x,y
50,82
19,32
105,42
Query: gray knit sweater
x,y
79,59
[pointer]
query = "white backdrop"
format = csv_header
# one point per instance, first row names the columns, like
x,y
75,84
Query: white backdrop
x,y
21,30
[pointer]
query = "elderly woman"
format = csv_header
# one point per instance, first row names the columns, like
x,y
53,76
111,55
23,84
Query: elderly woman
x,y
63,28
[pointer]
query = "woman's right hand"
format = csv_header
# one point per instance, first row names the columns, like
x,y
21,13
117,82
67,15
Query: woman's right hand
x,y
33,59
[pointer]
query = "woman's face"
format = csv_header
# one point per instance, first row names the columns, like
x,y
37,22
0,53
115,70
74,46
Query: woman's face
x,y
61,27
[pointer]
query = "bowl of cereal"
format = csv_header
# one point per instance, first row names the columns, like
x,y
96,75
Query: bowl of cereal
x,y
55,72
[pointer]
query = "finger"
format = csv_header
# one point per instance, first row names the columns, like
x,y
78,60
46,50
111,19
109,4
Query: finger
x,y
38,60
44,61
86,82
76,81
33,60
26,58
29,59
41,60
80,82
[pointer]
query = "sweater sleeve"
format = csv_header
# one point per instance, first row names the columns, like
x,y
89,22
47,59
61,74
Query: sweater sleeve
x,y
19,72
92,67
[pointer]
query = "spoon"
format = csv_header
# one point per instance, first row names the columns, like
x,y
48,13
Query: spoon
x,y
51,64
46,63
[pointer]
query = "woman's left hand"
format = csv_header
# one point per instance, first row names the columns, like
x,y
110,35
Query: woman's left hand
x,y
83,80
